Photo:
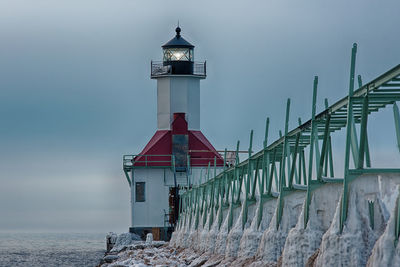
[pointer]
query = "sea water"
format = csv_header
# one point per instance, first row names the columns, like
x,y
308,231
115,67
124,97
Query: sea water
x,y
51,249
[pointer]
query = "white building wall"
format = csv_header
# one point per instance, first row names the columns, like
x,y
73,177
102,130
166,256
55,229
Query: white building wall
x,y
150,213
178,94
163,103
181,178
194,104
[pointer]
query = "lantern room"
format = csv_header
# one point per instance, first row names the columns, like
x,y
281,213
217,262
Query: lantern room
x,y
178,54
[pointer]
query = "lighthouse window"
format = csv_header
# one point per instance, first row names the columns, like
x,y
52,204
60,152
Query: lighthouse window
x,y
178,54
140,192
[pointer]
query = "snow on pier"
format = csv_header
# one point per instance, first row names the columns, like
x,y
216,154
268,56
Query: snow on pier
x,y
285,206
319,244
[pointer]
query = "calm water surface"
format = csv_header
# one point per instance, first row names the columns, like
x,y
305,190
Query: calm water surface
x,y
18,249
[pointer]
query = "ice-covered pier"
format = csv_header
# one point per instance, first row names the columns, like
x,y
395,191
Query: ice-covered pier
x,y
287,204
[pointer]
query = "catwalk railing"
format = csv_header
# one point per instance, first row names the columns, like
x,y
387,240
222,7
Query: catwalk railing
x,y
300,159
168,161
157,69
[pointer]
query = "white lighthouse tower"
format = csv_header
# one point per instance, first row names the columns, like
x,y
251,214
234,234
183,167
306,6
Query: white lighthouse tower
x,y
178,83
178,153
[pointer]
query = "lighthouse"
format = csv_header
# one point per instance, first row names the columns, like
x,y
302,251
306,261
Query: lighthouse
x,y
178,155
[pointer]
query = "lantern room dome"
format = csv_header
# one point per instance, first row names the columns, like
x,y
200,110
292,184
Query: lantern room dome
x,y
178,59
178,41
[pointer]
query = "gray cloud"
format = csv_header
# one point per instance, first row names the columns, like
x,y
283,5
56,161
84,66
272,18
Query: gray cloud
x,y
75,92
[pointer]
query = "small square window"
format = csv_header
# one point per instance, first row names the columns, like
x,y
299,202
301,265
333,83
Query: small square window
x,y
140,192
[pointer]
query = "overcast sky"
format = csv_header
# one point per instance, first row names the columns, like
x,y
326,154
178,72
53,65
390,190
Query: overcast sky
x,y
75,92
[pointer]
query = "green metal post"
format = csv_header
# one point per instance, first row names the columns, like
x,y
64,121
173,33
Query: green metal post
x,y
282,174
282,167
236,178
192,206
226,183
354,141
212,204
197,208
293,169
303,163
212,194
215,166
310,162
363,133
223,182
324,148
264,176
397,123
276,177
298,181
205,196
256,177
367,156
188,171
330,158
316,144
344,204
191,193
203,202
240,179
237,152
288,165
221,198
265,164
271,176
298,176
220,206
261,201
266,133
230,215
326,155
249,167
208,171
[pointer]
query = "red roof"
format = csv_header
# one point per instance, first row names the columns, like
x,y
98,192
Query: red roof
x,y
158,150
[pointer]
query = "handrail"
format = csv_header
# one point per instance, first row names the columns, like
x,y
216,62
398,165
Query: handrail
x,y
157,68
129,161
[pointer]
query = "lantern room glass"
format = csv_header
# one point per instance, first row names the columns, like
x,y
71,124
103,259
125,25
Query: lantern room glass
x,y
178,54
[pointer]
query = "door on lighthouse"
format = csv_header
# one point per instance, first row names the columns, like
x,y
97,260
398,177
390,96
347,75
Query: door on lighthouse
x,y
180,147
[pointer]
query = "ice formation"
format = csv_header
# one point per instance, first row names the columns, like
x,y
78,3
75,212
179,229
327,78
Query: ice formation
x,y
367,239
123,240
352,247
302,242
274,237
252,235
